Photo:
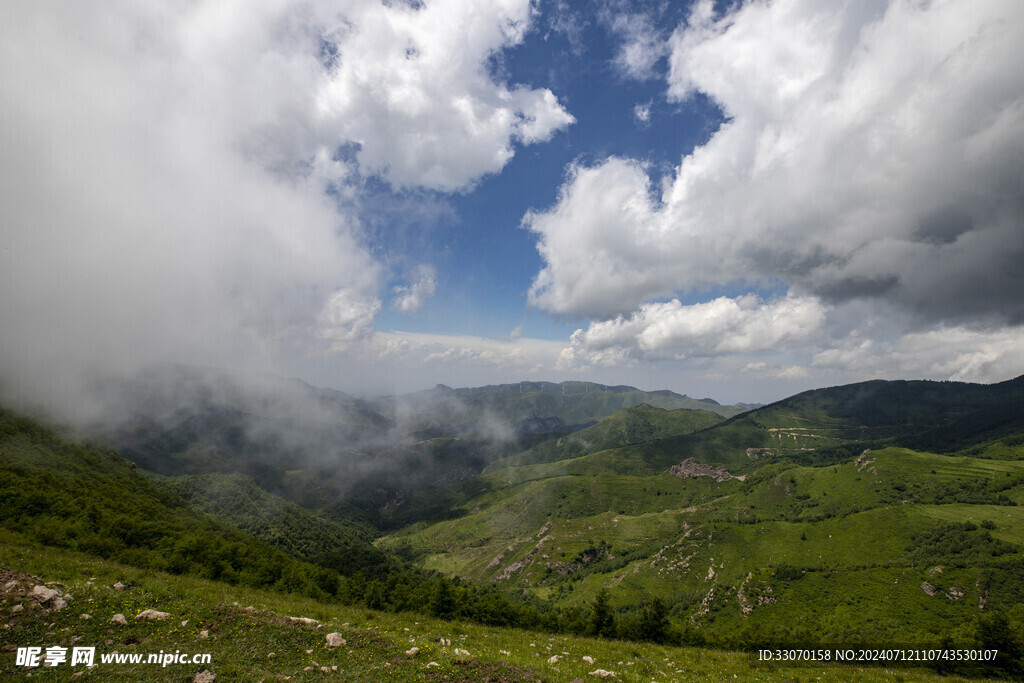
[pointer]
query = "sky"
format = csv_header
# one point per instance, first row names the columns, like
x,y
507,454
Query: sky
x,y
739,200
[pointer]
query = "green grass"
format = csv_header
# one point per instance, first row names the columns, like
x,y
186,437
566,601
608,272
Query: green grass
x,y
246,625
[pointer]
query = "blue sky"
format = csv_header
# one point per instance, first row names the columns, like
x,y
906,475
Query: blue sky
x,y
741,200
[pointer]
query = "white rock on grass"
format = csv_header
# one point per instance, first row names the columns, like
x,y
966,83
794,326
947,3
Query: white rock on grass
x,y
588,659
432,664
411,652
119,619
204,676
44,594
152,614
335,640
601,673
553,659
461,653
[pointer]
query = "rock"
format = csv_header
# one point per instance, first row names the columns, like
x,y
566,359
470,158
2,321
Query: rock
x,y
690,468
184,623
412,652
553,659
87,616
204,676
17,608
461,653
303,620
119,586
335,640
119,619
44,594
204,633
153,614
58,604
588,659
601,673
430,664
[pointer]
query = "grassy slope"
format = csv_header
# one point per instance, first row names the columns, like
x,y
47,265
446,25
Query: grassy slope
x,y
577,402
638,424
699,544
241,640
89,498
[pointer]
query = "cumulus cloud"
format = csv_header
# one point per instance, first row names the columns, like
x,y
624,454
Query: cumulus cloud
x,y
411,298
719,327
871,152
165,164
407,83
953,352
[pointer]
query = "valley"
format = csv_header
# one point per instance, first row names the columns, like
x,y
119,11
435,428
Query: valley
x,y
878,513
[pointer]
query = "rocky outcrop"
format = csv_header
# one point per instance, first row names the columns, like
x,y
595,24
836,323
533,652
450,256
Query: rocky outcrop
x,y
690,468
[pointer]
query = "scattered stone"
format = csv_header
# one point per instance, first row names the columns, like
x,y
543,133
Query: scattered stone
x,y
271,655
185,622
304,620
335,639
153,614
204,676
119,586
461,653
44,594
588,659
553,659
430,664
690,468
204,633
17,608
325,669
505,652
601,673
412,652
86,616
928,588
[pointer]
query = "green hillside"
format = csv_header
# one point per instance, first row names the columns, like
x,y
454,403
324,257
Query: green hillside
x,y
250,636
628,426
87,497
576,402
798,520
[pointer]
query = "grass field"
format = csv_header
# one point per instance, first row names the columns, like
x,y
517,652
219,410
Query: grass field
x,y
250,639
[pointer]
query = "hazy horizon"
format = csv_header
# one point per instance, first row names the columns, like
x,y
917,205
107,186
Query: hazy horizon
x,y
734,201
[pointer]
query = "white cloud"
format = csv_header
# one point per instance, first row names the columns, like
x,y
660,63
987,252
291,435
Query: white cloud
x,y
954,353
641,46
409,86
164,168
642,113
872,152
411,298
719,327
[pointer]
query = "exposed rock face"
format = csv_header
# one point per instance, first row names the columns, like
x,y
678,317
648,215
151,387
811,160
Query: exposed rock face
x,y
690,468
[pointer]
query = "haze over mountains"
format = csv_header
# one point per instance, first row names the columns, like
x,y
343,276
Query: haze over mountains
x,y
873,511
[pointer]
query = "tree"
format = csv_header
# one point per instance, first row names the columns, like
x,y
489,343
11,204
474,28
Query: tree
x,y
654,621
602,621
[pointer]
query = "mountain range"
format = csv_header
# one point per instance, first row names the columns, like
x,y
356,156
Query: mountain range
x,y
878,512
